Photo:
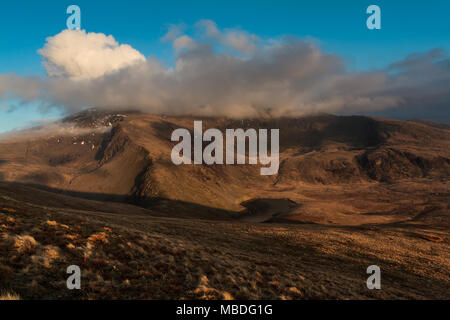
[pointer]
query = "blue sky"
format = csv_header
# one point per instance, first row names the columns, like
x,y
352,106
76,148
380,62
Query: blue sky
x,y
407,27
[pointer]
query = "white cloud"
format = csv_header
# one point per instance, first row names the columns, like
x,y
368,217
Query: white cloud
x,y
241,41
80,55
235,39
173,32
209,27
183,42
47,128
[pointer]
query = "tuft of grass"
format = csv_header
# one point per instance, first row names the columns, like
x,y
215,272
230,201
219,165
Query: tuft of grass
x,y
9,296
24,243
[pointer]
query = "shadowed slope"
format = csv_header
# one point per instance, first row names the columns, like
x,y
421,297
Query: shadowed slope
x,y
132,162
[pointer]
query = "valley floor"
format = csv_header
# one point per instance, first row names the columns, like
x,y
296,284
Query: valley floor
x,y
126,252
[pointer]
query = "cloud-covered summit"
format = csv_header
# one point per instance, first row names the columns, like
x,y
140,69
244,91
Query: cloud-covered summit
x,y
227,72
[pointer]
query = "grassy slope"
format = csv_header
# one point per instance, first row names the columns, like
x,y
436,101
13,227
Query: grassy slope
x,y
135,255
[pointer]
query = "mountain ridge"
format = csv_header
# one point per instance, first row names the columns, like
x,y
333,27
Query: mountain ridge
x,y
132,160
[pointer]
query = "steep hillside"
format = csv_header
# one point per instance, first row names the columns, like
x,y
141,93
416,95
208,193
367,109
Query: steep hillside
x,y
99,190
126,157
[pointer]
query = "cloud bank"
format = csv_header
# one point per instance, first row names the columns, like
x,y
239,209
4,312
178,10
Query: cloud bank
x,y
226,72
48,128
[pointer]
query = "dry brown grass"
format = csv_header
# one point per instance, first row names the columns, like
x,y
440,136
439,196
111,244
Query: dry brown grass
x,y
350,192
137,256
9,296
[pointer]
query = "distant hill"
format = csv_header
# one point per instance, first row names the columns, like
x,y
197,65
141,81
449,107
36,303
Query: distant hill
x,y
433,124
126,157
99,190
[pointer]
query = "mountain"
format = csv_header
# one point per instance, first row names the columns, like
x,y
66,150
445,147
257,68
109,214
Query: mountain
x,y
433,124
99,190
323,159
